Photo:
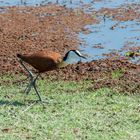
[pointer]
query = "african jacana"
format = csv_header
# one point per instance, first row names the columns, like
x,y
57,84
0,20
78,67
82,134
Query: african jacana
x,y
43,61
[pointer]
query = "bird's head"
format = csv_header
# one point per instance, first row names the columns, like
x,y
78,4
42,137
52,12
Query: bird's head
x,y
77,52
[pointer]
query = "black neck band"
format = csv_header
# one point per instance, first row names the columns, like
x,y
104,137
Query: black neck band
x,y
66,56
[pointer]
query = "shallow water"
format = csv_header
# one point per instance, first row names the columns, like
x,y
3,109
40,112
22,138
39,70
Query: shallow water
x,y
69,3
100,34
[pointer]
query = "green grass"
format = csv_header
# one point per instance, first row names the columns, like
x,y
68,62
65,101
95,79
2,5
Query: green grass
x,y
117,73
72,113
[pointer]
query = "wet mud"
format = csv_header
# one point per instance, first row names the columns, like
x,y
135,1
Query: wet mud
x,y
28,29
123,13
118,74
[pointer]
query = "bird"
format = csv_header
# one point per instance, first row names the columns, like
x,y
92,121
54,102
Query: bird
x,y
43,61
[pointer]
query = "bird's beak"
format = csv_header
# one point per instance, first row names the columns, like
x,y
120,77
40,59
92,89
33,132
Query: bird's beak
x,y
79,54
83,57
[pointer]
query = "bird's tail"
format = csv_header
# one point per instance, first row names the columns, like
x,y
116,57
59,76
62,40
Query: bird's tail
x,y
22,57
19,55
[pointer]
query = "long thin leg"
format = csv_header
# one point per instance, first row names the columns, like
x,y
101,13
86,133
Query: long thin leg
x,y
29,72
34,85
32,81
29,86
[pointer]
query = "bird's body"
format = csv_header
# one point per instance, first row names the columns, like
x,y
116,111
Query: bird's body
x,y
43,61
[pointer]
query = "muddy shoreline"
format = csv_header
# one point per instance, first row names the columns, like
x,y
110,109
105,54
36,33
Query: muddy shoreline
x,y
28,29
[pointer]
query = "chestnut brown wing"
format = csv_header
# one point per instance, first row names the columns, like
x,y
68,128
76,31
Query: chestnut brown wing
x,y
43,60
